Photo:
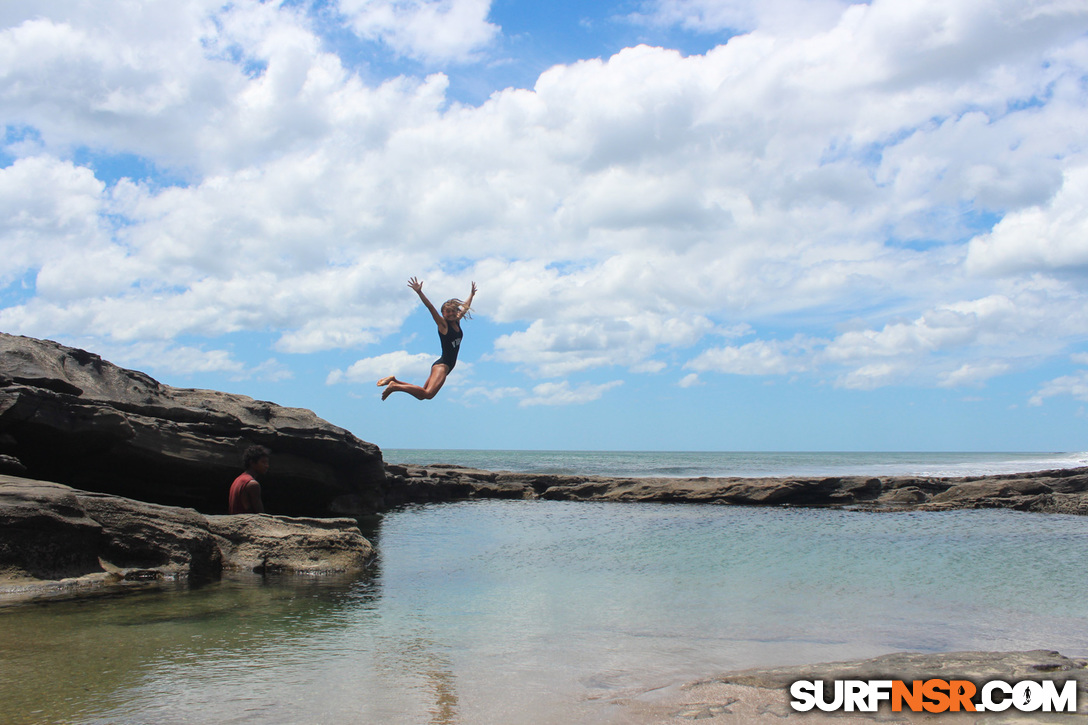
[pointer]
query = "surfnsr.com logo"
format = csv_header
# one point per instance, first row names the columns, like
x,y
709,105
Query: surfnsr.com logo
x,y
934,695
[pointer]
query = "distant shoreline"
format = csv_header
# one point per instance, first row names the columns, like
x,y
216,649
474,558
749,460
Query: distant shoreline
x,y
740,464
1055,491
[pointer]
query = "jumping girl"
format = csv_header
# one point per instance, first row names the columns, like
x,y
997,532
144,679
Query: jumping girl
x,y
450,334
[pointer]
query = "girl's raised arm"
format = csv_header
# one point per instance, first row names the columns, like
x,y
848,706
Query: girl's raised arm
x,y
468,302
418,287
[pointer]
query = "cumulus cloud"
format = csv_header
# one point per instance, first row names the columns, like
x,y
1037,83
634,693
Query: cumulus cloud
x,y
493,394
573,345
997,334
1032,320
49,207
436,31
168,358
690,380
622,212
197,87
755,358
874,375
972,374
1075,386
1051,237
563,393
327,334
181,359
710,16
405,366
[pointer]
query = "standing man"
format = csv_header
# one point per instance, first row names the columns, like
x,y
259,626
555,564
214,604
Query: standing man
x,y
245,492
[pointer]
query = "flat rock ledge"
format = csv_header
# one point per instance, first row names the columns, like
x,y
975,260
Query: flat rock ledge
x,y
761,696
57,541
1060,491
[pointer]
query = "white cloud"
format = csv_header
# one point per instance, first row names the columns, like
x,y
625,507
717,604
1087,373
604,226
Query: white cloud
x,y
325,334
1075,386
972,374
755,358
50,208
166,358
271,370
744,15
690,380
829,164
872,376
562,393
493,394
161,359
197,86
1051,237
556,349
407,368
435,31
1029,321
995,334
110,76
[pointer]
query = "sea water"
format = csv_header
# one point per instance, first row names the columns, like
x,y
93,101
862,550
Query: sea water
x,y
691,464
550,612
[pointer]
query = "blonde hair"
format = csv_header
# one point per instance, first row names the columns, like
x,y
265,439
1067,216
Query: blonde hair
x,y
460,304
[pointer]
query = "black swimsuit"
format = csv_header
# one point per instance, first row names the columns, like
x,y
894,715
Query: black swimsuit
x,y
451,345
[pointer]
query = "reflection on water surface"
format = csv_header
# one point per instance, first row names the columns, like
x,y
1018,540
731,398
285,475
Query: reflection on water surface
x,y
522,612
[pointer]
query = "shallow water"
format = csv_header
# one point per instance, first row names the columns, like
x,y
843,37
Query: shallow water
x,y
539,612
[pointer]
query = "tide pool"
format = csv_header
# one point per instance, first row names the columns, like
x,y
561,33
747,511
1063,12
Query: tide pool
x,y
543,612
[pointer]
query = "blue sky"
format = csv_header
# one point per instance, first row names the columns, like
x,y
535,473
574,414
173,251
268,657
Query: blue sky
x,y
695,224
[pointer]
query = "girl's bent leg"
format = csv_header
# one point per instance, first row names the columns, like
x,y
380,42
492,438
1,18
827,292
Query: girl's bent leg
x,y
434,383
436,380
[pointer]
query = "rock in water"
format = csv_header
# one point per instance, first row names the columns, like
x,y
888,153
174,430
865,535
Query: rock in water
x,y
272,544
67,415
59,541
44,532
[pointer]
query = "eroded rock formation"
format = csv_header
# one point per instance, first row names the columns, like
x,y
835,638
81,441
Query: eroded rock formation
x,y
56,540
67,415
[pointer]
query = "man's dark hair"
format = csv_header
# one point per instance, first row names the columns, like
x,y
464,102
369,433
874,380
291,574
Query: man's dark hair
x,y
254,454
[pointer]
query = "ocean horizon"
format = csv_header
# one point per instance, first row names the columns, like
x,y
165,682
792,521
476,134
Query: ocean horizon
x,y
743,464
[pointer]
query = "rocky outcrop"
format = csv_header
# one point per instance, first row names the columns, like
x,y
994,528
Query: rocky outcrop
x,y
67,415
44,532
761,695
434,484
56,540
1057,491
273,544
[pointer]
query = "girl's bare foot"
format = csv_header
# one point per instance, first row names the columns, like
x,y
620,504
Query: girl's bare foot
x,y
389,389
386,380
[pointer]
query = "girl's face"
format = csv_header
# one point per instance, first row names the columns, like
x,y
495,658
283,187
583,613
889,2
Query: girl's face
x,y
449,312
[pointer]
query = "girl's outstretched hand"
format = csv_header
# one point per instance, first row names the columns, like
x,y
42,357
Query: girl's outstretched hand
x,y
415,284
